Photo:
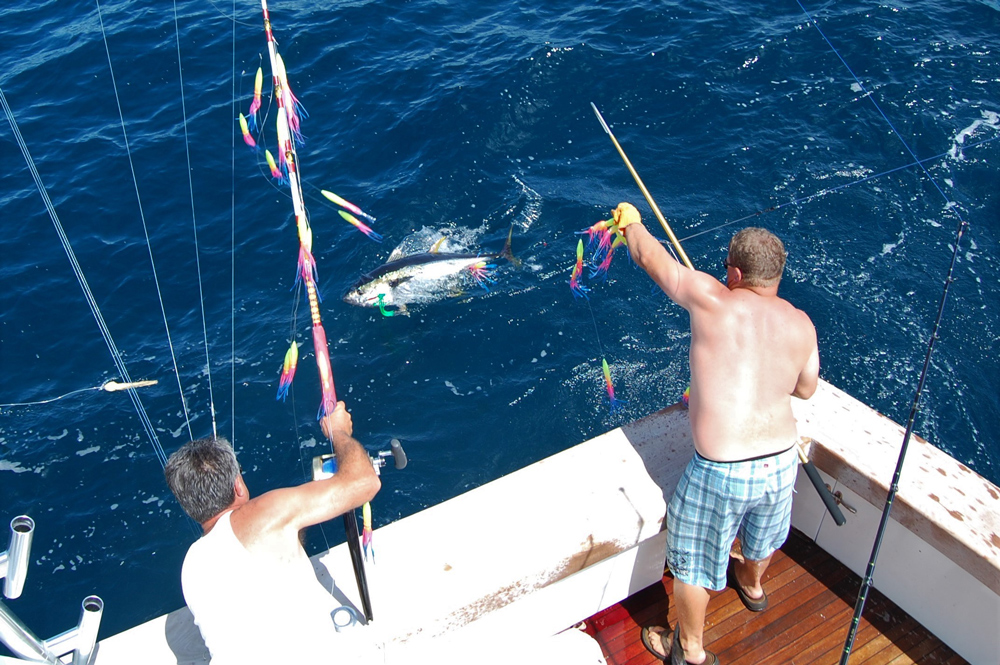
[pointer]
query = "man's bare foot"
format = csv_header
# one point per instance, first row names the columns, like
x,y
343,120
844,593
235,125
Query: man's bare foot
x,y
657,640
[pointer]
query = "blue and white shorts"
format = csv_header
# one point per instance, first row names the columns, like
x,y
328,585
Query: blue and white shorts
x,y
716,501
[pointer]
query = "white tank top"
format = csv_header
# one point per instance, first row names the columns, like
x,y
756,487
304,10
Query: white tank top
x,y
252,609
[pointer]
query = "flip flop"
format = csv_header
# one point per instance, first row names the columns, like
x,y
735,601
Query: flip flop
x,y
659,630
677,652
752,604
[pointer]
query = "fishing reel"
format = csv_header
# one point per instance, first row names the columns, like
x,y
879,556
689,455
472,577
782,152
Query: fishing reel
x,y
324,466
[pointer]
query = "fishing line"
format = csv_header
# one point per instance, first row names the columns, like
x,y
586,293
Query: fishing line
x,y
142,219
830,190
881,112
194,223
82,280
232,248
866,582
107,386
232,18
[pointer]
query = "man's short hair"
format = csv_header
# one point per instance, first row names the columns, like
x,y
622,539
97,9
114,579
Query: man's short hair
x,y
759,254
202,475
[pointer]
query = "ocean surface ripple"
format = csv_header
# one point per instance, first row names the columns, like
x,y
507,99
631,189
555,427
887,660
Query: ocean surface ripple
x,y
465,118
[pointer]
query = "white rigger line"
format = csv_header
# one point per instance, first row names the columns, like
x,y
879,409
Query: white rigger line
x,y
194,224
82,280
232,249
142,218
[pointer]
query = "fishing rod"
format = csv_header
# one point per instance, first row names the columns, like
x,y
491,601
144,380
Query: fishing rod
x,y
289,116
866,583
824,492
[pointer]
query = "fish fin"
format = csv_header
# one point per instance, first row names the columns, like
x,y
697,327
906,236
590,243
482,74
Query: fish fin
x,y
507,253
436,247
396,255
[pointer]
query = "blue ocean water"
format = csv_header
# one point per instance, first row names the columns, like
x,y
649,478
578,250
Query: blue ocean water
x,y
464,118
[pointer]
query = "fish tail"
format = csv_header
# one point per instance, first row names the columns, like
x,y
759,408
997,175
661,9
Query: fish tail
x,y
506,253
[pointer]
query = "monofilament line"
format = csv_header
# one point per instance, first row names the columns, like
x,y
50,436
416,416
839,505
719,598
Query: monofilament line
x,y
142,219
82,280
194,223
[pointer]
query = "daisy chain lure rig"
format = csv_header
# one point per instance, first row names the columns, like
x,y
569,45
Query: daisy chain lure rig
x,y
603,239
286,170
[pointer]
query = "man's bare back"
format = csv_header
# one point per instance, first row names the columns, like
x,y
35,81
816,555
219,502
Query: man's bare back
x,y
751,351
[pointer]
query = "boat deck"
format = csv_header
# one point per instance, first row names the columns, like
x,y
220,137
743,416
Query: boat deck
x,y
812,597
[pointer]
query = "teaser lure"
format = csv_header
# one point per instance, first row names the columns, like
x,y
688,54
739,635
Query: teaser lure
x,y
574,280
247,138
615,403
366,532
361,226
347,205
258,83
275,171
288,371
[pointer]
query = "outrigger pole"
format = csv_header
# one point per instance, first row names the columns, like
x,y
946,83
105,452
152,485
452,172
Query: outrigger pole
x,y
866,583
824,492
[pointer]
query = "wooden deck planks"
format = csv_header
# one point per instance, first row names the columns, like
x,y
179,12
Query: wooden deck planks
x,y
812,599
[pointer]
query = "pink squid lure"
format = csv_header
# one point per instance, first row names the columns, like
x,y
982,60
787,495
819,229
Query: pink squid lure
x,y
361,226
615,403
366,532
346,205
258,84
276,173
288,371
247,137
574,280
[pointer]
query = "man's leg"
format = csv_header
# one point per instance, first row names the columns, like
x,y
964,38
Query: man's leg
x,y
692,605
749,574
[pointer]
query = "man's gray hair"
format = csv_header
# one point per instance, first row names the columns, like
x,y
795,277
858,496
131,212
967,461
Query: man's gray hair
x,y
759,254
202,475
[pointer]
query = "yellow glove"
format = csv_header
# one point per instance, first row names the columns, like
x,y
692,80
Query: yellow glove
x,y
624,215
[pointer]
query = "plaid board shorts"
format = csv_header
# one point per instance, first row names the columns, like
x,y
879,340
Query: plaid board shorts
x,y
716,501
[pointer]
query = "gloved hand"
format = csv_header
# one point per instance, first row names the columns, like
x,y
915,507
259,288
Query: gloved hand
x,y
624,215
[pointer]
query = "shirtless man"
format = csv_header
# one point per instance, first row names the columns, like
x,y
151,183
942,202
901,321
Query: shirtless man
x,y
247,580
751,351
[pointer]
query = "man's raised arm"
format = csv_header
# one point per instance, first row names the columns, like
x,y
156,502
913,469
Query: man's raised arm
x,y
686,287
354,483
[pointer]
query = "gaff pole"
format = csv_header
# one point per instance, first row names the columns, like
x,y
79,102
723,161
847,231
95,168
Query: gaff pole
x,y
645,192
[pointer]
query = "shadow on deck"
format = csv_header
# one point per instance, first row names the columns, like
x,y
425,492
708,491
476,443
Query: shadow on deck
x,y
812,599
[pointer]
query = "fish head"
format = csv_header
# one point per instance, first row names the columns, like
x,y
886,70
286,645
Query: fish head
x,y
369,294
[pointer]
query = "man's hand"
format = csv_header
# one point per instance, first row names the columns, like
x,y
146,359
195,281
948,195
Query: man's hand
x,y
625,215
338,421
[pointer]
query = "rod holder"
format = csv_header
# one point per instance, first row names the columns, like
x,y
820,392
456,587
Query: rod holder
x,y
81,639
14,562
21,641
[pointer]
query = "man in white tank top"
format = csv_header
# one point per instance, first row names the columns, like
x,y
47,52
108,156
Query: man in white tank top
x,y
247,580
751,352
